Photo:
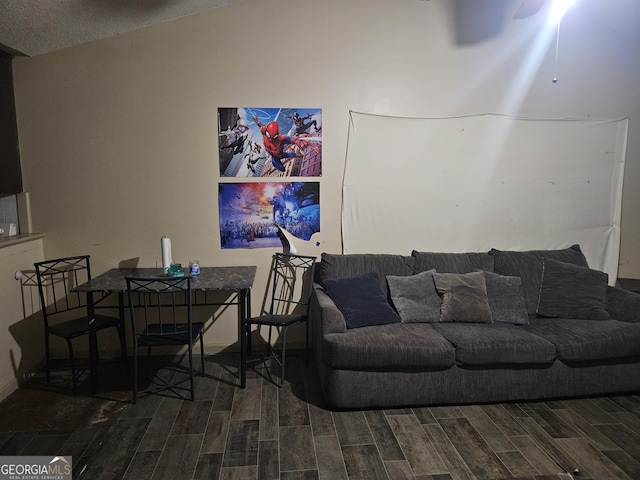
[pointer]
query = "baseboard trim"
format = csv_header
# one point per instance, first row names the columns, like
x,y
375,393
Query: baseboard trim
x,y
7,389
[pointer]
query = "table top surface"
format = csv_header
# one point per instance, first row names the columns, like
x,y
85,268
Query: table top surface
x,y
210,278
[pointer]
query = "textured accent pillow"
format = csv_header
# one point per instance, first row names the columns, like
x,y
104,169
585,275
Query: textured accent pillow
x,y
464,297
572,291
361,300
506,299
415,297
528,266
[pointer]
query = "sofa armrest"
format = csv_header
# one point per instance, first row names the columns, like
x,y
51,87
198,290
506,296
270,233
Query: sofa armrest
x,y
327,315
325,318
623,305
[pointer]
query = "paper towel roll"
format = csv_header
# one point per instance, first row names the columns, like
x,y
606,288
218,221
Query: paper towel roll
x,y
167,259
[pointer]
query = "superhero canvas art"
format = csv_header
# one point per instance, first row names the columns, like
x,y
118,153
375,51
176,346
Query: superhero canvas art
x,y
270,142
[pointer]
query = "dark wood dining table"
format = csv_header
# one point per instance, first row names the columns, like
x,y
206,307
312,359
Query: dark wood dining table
x,y
237,281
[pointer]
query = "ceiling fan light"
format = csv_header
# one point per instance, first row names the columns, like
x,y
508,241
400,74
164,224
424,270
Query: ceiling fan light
x,y
559,8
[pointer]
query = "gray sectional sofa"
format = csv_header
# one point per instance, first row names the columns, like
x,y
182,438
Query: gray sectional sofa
x,y
455,328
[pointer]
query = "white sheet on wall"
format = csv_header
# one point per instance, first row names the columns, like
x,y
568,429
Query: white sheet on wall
x,y
468,184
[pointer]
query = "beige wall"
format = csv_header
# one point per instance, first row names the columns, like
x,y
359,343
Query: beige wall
x,y
118,137
21,343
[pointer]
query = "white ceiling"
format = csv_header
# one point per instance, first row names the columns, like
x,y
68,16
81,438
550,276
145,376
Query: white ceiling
x,y
35,27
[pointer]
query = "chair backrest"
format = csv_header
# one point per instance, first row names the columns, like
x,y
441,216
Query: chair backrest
x,y
292,278
159,304
55,280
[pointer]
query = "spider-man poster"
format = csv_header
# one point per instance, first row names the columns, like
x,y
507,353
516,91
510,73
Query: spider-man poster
x,y
270,142
252,212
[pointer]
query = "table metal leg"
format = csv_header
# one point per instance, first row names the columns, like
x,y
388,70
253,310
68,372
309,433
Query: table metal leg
x,y
248,333
123,323
243,306
93,345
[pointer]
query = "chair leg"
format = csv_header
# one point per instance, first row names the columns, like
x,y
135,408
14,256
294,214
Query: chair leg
x,y
284,351
191,378
269,342
46,356
306,351
148,362
202,353
94,359
123,343
135,372
74,379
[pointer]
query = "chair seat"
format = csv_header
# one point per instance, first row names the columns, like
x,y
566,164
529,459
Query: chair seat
x,y
79,326
156,334
277,320
104,321
70,328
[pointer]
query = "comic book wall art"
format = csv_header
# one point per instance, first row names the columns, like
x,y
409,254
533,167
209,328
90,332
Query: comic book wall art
x,y
251,212
270,142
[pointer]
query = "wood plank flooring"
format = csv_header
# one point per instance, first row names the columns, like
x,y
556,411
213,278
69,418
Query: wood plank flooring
x,y
287,433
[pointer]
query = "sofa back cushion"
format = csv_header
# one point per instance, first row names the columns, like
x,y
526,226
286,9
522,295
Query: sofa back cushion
x,y
335,266
528,266
451,262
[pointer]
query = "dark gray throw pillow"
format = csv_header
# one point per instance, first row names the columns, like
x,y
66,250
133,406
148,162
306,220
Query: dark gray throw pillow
x,y
572,291
528,266
506,299
464,297
361,300
415,297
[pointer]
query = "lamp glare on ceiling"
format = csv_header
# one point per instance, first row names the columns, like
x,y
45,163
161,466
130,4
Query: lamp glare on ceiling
x,y
559,8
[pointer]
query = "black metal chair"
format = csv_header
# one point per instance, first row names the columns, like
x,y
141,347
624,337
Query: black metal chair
x,y
161,315
291,282
66,313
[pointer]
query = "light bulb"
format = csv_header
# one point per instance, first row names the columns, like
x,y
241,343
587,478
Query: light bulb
x,y
559,8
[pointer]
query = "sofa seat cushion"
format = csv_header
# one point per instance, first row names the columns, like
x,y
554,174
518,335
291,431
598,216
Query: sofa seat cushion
x,y
397,346
479,344
578,340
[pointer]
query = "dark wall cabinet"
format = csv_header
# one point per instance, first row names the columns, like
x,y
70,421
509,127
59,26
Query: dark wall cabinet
x,y
10,172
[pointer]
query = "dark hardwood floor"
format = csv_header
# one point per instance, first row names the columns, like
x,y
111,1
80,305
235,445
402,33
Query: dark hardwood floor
x,y
267,432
